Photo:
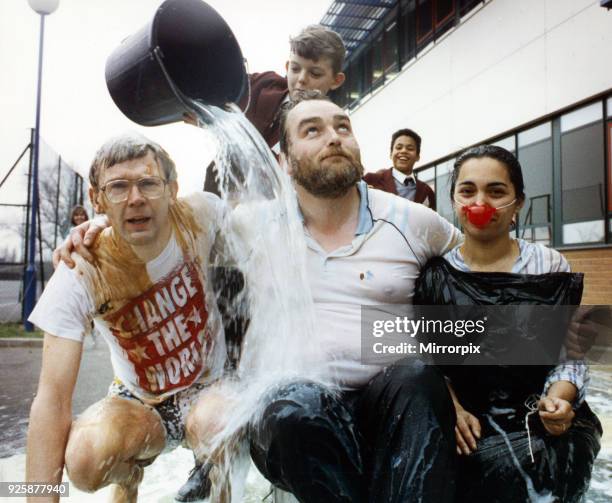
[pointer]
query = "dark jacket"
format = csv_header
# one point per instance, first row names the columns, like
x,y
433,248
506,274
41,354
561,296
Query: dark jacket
x,y
383,180
268,90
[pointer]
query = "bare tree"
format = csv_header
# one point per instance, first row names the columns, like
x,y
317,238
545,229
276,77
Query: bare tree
x,y
57,196
8,254
59,189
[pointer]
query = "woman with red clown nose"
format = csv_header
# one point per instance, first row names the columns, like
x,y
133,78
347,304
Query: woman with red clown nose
x,y
523,432
488,194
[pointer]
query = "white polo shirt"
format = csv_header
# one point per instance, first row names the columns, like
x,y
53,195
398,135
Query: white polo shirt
x,y
395,237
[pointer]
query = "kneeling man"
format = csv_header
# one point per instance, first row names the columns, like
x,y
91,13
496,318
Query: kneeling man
x,y
148,295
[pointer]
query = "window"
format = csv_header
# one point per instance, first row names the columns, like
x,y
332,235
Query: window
x,y
377,62
408,31
444,16
535,156
424,21
407,28
434,17
339,96
428,175
567,172
444,10
367,70
508,143
609,168
582,176
609,135
444,205
391,50
466,6
355,81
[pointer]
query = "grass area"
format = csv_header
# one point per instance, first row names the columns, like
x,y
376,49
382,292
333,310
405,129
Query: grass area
x,y
16,330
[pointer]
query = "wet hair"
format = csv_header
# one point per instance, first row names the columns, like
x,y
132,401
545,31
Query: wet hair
x,y
310,95
127,147
406,132
77,209
315,42
515,173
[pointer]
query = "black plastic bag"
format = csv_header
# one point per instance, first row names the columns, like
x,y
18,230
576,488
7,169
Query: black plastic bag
x,y
513,462
499,387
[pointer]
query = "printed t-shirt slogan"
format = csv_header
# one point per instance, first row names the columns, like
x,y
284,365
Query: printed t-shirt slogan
x,y
163,332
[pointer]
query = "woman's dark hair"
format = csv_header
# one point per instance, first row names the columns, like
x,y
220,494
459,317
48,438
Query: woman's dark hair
x,y
77,209
499,154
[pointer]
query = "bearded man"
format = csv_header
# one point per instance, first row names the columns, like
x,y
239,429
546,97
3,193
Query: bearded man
x,y
388,434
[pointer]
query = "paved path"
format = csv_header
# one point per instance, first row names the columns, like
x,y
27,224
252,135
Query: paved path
x,y
19,370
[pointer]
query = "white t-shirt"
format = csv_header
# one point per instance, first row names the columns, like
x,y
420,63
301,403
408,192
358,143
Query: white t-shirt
x,y
394,239
166,338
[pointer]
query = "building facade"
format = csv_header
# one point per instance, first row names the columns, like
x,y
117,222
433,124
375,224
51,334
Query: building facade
x,y
534,76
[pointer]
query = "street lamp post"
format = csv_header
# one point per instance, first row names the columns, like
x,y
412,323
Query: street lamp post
x,y
44,8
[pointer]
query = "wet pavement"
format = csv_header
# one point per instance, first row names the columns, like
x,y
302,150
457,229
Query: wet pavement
x,y
19,370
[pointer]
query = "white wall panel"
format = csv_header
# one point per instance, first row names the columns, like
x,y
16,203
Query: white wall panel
x,y
511,63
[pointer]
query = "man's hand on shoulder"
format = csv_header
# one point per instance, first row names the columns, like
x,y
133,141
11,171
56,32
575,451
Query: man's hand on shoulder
x,y
79,241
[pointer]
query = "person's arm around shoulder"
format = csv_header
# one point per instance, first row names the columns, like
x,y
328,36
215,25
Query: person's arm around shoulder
x,y
51,412
80,239
438,235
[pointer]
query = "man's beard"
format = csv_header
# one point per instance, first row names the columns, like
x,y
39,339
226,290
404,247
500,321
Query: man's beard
x,y
331,182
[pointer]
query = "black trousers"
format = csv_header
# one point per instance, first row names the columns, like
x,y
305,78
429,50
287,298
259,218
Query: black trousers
x,y
502,470
392,441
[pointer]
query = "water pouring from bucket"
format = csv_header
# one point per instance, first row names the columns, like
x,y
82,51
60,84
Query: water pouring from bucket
x,y
187,61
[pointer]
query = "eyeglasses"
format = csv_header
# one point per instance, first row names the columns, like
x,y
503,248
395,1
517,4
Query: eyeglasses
x,y
151,187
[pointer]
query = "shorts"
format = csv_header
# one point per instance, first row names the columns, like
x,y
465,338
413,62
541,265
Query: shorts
x,y
173,411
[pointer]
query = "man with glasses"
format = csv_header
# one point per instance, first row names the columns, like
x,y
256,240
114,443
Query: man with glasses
x,y
148,295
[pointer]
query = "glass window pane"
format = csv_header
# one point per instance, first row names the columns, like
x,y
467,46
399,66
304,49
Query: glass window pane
x,y
408,31
444,8
377,60
583,232
391,50
338,96
443,201
582,178
609,107
535,156
582,116
367,69
468,5
427,174
609,133
355,80
534,135
507,143
424,19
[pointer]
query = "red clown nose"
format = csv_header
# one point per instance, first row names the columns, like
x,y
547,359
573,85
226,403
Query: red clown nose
x,y
479,215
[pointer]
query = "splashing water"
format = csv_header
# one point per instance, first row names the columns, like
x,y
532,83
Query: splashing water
x,y
534,495
263,236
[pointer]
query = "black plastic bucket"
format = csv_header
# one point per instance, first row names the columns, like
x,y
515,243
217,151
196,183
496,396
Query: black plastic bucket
x,y
187,50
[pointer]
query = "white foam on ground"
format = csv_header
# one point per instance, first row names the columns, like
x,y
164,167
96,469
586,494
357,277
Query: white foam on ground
x,y
161,481
163,478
